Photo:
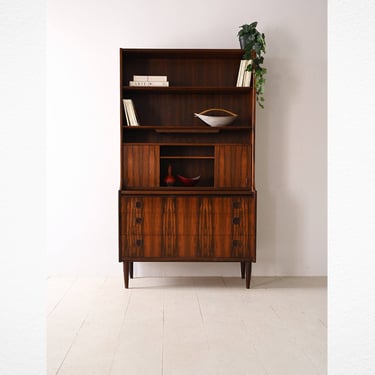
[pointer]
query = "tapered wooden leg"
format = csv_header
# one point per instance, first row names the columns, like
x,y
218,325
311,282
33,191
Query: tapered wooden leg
x,y
242,270
248,274
126,274
131,270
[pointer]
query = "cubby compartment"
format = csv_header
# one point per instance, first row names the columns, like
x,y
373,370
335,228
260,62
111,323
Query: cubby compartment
x,y
189,67
188,161
168,106
188,167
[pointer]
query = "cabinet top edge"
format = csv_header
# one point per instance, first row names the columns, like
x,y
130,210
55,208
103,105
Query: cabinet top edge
x,y
185,191
177,51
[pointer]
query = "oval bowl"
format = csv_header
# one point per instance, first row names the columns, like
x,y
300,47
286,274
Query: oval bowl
x,y
189,181
216,120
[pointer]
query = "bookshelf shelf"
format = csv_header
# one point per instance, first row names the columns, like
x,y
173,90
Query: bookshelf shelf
x,y
189,89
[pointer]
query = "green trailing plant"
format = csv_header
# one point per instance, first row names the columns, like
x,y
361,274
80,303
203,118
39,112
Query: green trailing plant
x,y
254,45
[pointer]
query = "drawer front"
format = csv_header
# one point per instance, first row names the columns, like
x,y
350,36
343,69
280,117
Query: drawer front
x,y
141,216
187,227
188,247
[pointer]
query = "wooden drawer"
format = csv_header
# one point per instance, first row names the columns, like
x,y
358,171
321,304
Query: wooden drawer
x,y
187,227
188,247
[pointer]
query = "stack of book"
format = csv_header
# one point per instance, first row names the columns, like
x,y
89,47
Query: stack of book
x,y
244,76
149,81
131,116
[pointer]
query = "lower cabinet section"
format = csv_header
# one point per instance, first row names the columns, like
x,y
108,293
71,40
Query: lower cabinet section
x,y
187,228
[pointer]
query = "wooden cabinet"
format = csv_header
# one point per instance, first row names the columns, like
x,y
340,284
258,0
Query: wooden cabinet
x,y
215,220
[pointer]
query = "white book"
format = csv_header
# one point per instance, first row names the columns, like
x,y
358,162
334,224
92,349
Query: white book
x,y
130,114
149,83
138,83
157,78
149,78
247,75
140,78
241,71
126,112
246,79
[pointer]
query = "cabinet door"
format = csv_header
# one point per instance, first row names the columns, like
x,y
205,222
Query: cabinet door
x,y
140,165
232,166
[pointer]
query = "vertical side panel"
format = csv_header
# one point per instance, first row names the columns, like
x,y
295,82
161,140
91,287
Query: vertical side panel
x,y
120,231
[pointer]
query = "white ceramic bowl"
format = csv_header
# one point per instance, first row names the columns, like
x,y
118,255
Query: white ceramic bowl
x,y
216,120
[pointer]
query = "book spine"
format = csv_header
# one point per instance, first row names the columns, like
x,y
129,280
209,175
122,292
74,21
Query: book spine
x,y
126,112
244,76
130,114
140,78
247,79
157,78
149,83
149,78
240,75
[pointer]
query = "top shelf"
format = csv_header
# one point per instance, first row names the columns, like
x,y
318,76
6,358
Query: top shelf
x,y
186,69
188,89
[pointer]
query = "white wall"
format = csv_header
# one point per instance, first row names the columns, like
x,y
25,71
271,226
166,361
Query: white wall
x,y
83,41
22,188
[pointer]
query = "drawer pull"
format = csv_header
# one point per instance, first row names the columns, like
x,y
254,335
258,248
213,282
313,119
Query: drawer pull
x,y
139,243
236,220
138,204
139,220
236,204
236,242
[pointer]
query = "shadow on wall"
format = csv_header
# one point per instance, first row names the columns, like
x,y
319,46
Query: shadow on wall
x,y
280,216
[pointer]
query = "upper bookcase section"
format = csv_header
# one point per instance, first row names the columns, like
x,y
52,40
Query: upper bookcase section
x,y
183,67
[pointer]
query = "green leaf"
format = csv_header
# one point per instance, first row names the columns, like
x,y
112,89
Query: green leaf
x,y
255,43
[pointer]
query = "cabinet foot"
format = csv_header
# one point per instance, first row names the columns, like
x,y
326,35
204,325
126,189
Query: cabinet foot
x,y
248,274
126,267
242,270
131,270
